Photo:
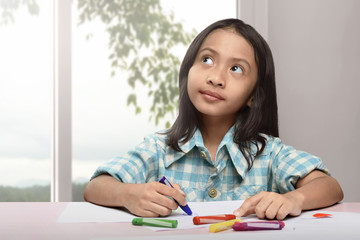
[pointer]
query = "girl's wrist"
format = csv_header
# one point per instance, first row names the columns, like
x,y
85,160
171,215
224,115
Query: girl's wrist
x,y
121,194
297,197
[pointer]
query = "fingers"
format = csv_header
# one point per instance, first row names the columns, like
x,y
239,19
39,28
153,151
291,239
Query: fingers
x,y
268,205
147,200
282,212
142,212
161,197
152,209
268,208
248,206
176,193
181,199
155,200
177,187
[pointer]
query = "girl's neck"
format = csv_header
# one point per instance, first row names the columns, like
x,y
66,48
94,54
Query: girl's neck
x,y
213,131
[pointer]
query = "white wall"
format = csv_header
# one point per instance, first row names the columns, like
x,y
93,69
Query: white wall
x,y
316,48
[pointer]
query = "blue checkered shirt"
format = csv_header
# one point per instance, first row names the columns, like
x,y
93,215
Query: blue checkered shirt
x,y
277,169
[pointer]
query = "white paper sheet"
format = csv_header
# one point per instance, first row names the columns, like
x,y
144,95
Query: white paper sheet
x,y
76,212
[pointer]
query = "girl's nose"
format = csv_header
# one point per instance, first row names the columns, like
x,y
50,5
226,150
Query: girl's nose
x,y
216,78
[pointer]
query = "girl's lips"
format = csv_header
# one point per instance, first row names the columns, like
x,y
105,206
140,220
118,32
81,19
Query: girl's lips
x,y
211,95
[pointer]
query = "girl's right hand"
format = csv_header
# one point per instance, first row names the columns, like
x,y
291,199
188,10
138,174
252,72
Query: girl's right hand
x,y
152,199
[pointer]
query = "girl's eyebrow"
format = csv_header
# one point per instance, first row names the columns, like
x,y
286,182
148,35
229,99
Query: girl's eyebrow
x,y
234,58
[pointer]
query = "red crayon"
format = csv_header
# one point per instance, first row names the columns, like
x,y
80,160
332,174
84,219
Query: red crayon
x,y
321,215
213,219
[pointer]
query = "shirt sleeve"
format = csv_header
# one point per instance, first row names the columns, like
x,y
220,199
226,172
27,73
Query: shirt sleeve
x,y
290,165
136,166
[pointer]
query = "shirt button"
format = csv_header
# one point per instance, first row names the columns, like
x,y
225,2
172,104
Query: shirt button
x,y
212,192
203,154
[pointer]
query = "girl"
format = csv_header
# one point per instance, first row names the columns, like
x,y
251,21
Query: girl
x,y
224,143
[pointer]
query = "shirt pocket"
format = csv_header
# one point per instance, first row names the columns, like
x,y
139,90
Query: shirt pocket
x,y
244,192
193,190
192,194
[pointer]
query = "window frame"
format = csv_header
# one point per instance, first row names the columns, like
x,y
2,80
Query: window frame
x,y
61,170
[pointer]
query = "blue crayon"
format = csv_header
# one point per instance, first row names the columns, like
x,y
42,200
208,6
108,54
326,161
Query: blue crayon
x,y
185,208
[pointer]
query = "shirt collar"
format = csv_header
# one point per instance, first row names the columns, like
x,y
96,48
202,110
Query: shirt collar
x,y
235,154
173,155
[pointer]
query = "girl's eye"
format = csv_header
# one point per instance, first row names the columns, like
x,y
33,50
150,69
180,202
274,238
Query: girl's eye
x,y
207,60
236,69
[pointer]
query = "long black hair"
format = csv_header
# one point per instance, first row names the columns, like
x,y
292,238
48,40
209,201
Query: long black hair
x,y
261,117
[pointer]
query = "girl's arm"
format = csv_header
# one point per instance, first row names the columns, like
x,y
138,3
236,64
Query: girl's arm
x,y
316,190
146,200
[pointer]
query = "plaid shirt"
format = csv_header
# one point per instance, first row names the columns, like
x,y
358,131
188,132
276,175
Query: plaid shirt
x,y
277,169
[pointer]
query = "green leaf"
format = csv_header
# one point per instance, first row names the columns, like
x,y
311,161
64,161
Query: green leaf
x,y
131,99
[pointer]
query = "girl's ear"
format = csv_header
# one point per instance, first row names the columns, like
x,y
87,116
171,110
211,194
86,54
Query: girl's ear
x,y
249,102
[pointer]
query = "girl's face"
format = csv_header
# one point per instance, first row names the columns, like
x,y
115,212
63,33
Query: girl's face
x,y
223,76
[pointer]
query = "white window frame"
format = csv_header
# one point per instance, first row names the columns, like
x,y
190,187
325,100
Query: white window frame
x,y
61,175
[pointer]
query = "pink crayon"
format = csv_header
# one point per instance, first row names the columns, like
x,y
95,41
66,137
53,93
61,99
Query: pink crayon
x,y
259,225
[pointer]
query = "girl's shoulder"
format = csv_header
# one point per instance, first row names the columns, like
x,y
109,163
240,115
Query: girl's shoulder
x,y
272,143
158,138
270,138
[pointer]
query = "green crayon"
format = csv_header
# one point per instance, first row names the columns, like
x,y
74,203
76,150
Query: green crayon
x,y
155,222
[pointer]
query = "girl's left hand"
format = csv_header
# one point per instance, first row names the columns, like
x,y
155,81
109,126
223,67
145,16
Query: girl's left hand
x,y
270,205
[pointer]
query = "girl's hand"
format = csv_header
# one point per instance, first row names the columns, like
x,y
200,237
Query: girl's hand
x,y
152,199
270,205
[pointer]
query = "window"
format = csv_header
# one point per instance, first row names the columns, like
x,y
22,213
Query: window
x,y
25,100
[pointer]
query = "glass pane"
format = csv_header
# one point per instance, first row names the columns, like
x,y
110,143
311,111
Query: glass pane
x,y
115,53
25,100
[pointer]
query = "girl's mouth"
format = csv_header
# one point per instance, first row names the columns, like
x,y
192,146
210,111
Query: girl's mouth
x,y
211,96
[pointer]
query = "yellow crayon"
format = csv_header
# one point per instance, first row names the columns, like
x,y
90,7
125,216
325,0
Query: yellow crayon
x,y
217,227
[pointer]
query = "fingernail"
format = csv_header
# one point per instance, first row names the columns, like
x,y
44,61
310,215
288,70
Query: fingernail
x,y
238,213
